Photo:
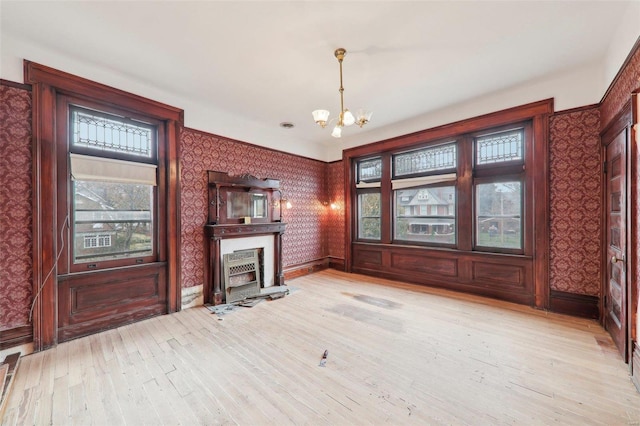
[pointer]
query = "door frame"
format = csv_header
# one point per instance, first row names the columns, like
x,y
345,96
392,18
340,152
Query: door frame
x,y
622,123
634,223
47,83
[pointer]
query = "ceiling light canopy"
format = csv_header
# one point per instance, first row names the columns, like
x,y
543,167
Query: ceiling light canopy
x,y
346,117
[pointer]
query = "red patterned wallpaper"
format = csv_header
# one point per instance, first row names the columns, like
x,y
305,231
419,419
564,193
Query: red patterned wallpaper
x,y
336,221
302,180
620,93
15,207
575,202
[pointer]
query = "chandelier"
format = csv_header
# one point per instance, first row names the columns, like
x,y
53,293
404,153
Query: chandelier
x,y
346,117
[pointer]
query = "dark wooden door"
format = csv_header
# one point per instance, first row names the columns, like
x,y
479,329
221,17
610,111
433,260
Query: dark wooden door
x,y
615,279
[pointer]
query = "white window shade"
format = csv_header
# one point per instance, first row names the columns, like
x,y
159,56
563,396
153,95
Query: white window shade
x,y
84,167
422,181
368,185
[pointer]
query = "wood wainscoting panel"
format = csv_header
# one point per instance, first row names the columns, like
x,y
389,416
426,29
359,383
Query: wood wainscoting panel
x,y
367,257
506,277
95,301
408,260
499,274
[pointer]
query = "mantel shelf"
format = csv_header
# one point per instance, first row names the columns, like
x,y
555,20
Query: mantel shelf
x,y
244,230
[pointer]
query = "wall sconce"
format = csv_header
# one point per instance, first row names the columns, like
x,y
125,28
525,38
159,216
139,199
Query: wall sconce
x,y
281,203
334,206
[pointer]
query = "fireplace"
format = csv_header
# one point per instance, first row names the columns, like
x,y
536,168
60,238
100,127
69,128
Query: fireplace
x,y
224,239
244,214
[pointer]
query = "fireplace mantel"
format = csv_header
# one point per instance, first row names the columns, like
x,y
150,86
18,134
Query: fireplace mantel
x,y
240,207
230,231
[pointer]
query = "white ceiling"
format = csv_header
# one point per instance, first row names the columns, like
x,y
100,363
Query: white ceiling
x,y
240,68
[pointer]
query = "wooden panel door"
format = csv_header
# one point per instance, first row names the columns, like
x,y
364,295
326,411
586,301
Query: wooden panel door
x,y
615,279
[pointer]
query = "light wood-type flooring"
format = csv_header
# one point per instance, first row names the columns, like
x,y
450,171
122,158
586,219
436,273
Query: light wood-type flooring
x,y
398,354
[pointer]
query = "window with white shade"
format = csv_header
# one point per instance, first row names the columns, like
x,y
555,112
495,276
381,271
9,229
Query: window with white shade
x,y
114,175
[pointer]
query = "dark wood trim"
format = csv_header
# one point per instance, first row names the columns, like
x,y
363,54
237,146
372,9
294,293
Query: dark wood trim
x,y
174,239
204,133
47,83
540,182
635,366
474,124
577,305
634,221
16,336
636,46
623,116
45,222
336,263
15,85
576,109
82,87
306,268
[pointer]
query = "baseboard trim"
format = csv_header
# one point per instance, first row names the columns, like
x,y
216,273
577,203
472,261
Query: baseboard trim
x,y
306,268
635,366
577,305
16,336
336,263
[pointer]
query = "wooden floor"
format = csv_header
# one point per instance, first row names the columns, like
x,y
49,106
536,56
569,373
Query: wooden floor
x,y
398,354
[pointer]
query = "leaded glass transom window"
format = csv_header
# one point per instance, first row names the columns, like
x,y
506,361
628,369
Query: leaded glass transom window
x,y
370,170
500,147
117,135
441,157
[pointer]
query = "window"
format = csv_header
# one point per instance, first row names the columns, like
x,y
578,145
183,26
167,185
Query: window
x,y
113,186
125,211
499,159
427,215
97,240
369,174
500,148
99,132
427,160
369,215
499,215
424,207
428,204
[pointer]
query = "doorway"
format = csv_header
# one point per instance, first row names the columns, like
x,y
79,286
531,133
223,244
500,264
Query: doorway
x,y
616,291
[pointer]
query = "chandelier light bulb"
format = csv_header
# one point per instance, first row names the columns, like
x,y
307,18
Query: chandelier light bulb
x,y
348,119
363,117
337,132
321,116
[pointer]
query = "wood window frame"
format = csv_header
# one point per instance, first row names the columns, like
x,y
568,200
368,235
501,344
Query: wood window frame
x,y
536,186
65,201
47,83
